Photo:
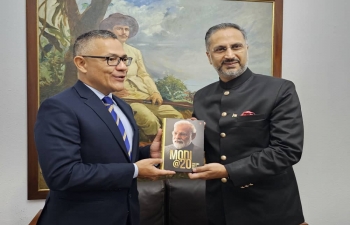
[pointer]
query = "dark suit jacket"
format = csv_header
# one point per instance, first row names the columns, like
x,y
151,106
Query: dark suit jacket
x,y
260,149
84,161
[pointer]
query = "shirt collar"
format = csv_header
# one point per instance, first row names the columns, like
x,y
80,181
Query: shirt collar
x,y
99,94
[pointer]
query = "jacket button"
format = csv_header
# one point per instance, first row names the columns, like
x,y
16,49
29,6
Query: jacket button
x,y
223,180
226,93
224,114
223,157
223,135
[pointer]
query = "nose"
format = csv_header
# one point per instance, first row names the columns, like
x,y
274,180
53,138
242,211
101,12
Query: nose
x,y
121,66
229,53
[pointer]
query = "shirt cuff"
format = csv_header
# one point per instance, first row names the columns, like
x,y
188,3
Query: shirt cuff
x,y
136,172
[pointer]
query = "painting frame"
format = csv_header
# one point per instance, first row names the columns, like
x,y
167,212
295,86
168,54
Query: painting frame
x,y
33,190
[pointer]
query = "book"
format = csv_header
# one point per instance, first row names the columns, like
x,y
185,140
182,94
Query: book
x,y
182,144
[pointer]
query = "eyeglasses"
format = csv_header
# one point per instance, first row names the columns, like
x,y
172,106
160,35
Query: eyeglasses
x,y
112,60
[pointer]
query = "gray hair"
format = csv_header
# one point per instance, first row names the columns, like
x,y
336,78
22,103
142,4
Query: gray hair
x,y
83,41
193,128
222,26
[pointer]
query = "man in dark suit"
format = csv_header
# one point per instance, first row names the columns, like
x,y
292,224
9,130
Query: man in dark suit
x,y
88,161
253,137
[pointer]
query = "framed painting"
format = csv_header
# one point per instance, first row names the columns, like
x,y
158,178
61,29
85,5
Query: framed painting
x,y
169,36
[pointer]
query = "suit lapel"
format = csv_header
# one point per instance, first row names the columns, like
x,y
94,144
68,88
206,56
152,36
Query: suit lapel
x,y
98,107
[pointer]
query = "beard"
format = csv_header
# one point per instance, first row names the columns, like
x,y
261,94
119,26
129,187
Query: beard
x,y
229,74
180,144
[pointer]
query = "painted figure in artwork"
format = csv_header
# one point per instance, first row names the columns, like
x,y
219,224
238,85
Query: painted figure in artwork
x,y
140,90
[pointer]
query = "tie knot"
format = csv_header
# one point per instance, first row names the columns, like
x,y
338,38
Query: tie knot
x,y
107,100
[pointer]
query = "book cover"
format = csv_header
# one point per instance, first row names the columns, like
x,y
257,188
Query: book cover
x,y
182,144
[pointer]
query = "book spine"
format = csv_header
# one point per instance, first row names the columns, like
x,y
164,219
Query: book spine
x,y
163,141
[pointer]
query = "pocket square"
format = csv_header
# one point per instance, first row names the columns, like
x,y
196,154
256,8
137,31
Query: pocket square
x,y
247,113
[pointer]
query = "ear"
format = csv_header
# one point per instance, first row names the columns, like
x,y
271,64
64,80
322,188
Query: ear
x,y
80,63
209,58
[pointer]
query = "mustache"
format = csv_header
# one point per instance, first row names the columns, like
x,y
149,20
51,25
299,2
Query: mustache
x,y
231,60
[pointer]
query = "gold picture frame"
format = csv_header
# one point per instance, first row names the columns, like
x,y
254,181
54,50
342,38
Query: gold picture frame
x,y
38,27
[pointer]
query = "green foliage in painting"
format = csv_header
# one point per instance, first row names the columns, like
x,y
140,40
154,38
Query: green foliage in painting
x,y
174,89
171,88
51,69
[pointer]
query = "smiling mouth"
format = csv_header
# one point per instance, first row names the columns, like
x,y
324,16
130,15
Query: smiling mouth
x,y
119,77
230,63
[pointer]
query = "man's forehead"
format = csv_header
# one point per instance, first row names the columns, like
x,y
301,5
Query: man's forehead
x,y
121,25
183,127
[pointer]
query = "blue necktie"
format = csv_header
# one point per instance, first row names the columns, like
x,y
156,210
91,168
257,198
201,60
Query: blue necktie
x,y
110,105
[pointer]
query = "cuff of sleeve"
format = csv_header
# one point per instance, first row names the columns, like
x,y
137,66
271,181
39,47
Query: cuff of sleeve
x,y
136,172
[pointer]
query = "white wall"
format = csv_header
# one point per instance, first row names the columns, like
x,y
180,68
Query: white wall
x,y
316,42
15,209
316,57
